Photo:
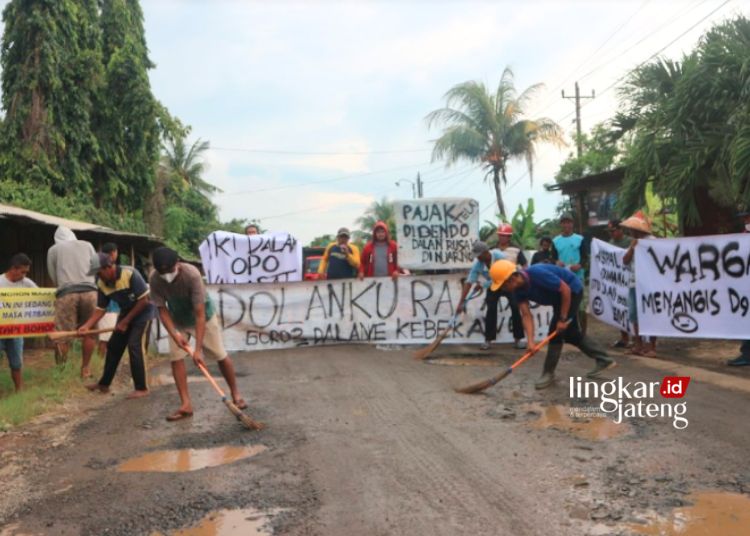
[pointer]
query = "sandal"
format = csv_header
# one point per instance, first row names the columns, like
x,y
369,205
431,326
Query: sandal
x,y
241,404
485,346
179,415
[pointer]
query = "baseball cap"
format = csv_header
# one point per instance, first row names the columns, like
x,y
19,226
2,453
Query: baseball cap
x,y
479,247
566,216
343,231
99,261
164,259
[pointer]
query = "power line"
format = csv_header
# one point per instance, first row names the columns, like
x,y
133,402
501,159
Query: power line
x,y
323,181
317,153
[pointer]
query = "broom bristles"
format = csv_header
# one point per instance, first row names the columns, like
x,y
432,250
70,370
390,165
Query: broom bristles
x,y
425,352
244,419
481,386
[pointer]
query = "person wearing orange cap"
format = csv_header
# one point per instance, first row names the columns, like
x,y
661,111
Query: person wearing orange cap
x,y
548,284
514,254
638,227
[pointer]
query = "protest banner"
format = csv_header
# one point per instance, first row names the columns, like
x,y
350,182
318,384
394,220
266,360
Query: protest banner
x,y
694,287
230,258
609,280
436,233
409,310
26,312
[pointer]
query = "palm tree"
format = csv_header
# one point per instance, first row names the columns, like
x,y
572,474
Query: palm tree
x,y
488,128
186,163
382,210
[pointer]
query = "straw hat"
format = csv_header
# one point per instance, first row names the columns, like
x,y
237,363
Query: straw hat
x,y
637,222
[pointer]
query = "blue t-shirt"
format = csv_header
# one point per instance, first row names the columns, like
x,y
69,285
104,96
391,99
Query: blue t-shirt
x,y
479,269
569,250
543,286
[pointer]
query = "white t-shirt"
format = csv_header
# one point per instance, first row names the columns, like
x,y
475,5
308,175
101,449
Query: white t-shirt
x,y
23,283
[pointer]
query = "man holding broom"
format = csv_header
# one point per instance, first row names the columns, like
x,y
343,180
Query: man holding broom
x,y
178,291
125,286
548,284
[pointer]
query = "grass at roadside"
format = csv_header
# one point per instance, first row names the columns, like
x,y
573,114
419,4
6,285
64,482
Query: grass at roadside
x,y
45,385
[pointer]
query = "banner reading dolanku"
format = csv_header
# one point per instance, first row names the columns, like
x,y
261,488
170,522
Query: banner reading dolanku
x,y
26,312
436,233
409,310
609,285
694,287
230,258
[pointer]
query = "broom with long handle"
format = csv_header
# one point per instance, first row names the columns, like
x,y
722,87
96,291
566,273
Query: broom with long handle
x,y
59,335
246,420
425,352
481,386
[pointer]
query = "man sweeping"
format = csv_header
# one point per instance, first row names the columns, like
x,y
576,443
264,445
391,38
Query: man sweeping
x,y
125,286
178,292
547,284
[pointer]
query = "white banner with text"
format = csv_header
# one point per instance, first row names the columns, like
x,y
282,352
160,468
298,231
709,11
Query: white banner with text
x,y
609,285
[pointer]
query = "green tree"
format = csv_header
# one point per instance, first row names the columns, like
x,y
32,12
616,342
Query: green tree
x,y
691,136
382,210
322,241
600,153
488,128
127,117
51,67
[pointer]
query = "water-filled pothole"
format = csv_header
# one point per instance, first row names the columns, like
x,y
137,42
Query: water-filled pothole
x,y
230,523
724,513
174,461
590,427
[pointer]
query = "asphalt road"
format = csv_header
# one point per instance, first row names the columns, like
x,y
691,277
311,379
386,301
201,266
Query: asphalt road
x,y
371,442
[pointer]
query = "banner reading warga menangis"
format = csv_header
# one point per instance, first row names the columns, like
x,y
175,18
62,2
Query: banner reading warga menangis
x,y
694,287
26,312
411,310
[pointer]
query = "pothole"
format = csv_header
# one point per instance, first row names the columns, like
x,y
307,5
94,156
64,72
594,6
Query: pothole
x,y
462,362
243,522
178,461
593,427
724,513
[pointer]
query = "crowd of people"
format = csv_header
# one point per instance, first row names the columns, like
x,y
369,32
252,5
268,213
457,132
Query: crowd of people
x,y
94,290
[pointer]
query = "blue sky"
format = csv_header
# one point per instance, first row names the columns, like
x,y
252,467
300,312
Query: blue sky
x,y
315,109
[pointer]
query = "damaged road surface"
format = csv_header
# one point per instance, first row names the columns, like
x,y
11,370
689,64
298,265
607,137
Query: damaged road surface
x,y
362,441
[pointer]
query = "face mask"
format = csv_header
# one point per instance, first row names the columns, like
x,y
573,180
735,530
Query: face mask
x,y
168,277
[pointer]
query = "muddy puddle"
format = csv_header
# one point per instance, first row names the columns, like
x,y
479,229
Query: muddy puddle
x,y
178,461
462,362
712,513
230,523
590,427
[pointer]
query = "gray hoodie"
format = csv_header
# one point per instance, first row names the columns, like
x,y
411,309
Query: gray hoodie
x,y
69,262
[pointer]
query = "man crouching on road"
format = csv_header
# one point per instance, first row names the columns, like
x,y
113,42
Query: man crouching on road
x,y
178,291
547,284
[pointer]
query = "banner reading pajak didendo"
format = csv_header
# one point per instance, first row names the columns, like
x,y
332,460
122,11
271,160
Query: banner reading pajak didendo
x,y
410,310
26,312
609,281
435,234
694,287
262,258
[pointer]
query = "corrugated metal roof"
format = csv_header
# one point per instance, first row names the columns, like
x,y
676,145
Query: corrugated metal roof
x,y
11,212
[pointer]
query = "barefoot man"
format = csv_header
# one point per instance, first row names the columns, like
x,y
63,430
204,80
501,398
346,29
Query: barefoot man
x,y
178,291
125,286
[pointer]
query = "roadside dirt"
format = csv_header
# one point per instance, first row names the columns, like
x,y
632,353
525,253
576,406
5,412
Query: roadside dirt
x,y
363,441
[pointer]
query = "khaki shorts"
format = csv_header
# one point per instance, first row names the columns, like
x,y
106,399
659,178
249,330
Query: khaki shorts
x,y
72,310
108,321
213,346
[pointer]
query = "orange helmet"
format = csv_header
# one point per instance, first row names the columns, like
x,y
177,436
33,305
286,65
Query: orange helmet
x,y
500,271
505,229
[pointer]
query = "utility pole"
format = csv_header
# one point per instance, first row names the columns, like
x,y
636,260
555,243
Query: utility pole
x,y
420,191
577,97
